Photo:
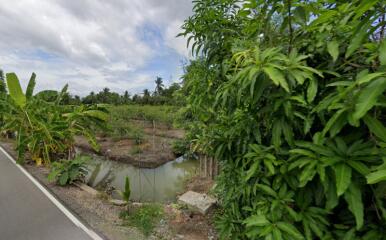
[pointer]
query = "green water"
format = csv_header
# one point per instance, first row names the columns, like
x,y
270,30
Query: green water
x,y
160,184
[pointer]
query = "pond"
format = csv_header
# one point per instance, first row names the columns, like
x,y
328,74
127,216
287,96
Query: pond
x,y
160,184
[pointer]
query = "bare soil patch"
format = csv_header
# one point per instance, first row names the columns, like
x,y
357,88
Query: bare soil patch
x,y
150,154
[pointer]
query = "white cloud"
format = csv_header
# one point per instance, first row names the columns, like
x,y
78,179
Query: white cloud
x,y
176,43
87,43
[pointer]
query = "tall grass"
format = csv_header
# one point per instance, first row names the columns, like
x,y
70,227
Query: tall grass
x,y
161,114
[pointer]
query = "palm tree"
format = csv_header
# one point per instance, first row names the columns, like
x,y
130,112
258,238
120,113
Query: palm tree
x,y
126,97
159,86
146,96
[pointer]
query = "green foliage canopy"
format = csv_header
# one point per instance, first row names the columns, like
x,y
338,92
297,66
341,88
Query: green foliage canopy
x,y
290,97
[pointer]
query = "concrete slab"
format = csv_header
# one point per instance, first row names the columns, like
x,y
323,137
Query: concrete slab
x,y
199,202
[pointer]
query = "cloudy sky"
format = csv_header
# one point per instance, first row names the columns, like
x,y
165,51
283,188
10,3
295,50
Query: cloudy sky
x,y
92,44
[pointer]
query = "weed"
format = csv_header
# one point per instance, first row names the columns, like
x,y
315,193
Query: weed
x,y
180,147
144,218
136,150
67,171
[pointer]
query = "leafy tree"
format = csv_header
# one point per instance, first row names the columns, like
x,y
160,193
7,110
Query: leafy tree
x,y
159,86
146,96
3,88
126,97
90,99
290,97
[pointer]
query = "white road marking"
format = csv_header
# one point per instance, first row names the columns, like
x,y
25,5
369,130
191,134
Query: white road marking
x,y
59,205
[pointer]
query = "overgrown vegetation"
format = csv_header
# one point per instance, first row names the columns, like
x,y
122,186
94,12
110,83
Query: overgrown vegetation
x,y
46,129
290,97
66,171
144,218
180,147
164,114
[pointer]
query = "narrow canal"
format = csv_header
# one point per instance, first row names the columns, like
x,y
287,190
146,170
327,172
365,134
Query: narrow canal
x,y
160,184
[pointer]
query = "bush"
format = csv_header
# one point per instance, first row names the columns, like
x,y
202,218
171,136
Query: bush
x,y
121,129
145,218
180,147
67,171
290,97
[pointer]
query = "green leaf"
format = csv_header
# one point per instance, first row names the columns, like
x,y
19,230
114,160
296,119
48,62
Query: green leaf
x,y
15,90
268,164
312,90
350,235
307,174
277,77
333,49
376,177
287,132
342,177
252,170
97,114
276,134
277,234
359,167
363,7
353,197
365,78
376,127
74,174
61,94
256,221
331,123
368,97
331,197
63,178
356,40
382,52
266,189
31,86
290,230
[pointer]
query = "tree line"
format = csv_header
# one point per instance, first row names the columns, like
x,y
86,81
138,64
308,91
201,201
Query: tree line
x,y
161,95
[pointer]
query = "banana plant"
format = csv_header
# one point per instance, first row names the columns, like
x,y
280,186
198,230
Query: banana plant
x,y
46,129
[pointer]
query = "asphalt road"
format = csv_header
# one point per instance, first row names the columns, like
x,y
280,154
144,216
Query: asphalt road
x,y
26,213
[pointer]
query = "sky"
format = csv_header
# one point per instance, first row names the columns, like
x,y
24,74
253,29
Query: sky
x,y
92,44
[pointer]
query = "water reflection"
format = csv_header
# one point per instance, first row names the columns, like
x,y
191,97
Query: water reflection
x,y
154,185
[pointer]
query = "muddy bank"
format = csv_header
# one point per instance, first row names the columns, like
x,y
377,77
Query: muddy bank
x,y
154,152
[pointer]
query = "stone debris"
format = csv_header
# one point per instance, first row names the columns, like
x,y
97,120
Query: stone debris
x,y
117,202
199,202
87,188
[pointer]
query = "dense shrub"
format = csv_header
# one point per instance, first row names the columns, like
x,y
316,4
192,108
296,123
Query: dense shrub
x,y
290,97
42,125
67,171
144,217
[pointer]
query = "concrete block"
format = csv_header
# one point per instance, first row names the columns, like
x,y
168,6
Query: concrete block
x,y
199,202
